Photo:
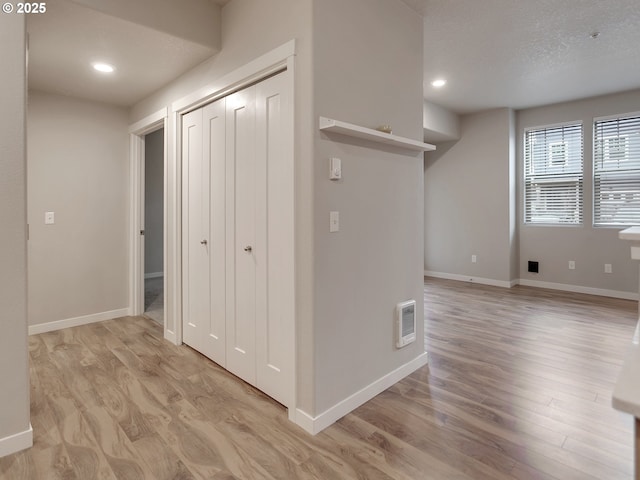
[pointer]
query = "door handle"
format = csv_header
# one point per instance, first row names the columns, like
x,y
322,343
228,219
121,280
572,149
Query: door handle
x,y
203,242
248,249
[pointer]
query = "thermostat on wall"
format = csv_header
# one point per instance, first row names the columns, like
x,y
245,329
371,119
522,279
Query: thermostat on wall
x,y
406,323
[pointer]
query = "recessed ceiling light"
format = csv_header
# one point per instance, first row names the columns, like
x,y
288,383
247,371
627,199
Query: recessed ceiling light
x,y
439,83
103,67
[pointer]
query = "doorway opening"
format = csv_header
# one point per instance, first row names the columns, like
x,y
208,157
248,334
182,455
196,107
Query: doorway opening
x,y
148,210
153,222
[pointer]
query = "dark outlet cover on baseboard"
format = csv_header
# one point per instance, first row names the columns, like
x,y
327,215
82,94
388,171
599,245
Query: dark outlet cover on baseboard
x,y
533,267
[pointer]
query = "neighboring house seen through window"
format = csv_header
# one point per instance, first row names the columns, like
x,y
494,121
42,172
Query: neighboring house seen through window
x,y
616,171
553,175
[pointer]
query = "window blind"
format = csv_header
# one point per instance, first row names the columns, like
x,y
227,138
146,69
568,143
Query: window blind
x,y
616,171
553,175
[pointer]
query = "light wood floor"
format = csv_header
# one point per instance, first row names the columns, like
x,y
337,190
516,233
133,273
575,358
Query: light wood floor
x,y
154,299
518,386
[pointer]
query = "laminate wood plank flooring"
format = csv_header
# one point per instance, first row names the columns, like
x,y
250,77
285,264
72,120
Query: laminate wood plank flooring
x,y
518,386
154,299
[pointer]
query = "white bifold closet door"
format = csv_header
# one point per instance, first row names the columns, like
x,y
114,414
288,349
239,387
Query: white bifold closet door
x,y
238,237
246,254
204,249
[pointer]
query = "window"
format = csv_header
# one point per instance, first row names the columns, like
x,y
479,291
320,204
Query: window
x,y
616,171
553,176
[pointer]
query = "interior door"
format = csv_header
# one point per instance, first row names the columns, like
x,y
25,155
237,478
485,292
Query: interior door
x,y
214,156
238,236
243,251
195,232
274,227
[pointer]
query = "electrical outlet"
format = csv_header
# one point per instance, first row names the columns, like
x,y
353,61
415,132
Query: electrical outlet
x,y
572,265
607,268
474,259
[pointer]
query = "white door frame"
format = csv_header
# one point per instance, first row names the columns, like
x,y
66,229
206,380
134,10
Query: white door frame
x,y
281,59
137,132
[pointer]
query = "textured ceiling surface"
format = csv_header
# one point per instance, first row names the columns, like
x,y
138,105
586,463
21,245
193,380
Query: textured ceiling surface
x,y
523,53
494,53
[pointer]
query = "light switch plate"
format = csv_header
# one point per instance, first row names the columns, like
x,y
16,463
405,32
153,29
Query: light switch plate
x,y
334,222
335,168
49,218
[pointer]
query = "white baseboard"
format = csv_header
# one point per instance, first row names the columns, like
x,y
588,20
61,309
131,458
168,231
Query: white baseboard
x,y
77,321
153,275
315,425
579,289
16,442
471,279
171,336
535,283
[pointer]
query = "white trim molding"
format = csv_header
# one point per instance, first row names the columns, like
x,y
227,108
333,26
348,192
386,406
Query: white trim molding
x,y
16,442
137,132
535,283
77,321
149,123
315,425
277,60
258,69
471,279
579,289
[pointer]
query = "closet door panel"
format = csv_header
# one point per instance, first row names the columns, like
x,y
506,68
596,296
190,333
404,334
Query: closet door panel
x,y
274,222
214,152
195,232
243,251
238,235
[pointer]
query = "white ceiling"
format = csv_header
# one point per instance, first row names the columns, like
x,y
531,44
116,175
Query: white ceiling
x,y
523,53
494,53
65,40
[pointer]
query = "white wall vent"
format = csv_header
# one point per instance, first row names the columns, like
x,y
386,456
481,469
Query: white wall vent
x,y
406,323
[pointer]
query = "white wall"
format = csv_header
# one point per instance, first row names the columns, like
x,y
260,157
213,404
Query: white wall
x,y
470,201
439,124
78,169
15,431
589,247
153,202
375,261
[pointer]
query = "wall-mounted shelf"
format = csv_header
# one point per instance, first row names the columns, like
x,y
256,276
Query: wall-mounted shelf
x,y
330,125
